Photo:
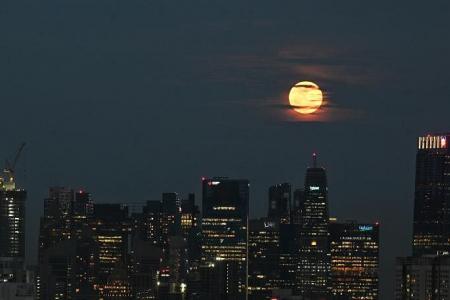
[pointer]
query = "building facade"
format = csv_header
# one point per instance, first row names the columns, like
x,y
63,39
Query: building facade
x,y
422,278
313,274
354,260
264,258
12,223
280,203
431,231
225,232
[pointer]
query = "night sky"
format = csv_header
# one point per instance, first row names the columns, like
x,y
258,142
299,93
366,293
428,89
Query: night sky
x,y
128,99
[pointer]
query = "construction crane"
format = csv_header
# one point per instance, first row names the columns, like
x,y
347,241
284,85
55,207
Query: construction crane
x,y
7,180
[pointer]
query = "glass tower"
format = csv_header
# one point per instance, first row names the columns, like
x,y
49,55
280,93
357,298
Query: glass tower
x,y
12,218
431,231
280,203
354,260
225,233
314,256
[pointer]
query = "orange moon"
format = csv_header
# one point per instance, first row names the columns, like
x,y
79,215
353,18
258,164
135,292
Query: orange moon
x,y
305,97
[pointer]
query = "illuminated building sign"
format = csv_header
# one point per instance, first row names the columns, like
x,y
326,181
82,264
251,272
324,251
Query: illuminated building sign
x,y
365,228
314,188
432,142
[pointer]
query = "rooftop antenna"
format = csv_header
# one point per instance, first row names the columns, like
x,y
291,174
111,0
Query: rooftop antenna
x,y
314,157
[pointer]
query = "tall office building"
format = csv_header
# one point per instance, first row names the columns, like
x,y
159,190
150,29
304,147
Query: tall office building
x,y
431,231
190,227
81,214
264,255
111,229
67,270
14,278
296,212
55,225
171,207
289,255
314,255
12,220
354,260
67,252
225,232
280,203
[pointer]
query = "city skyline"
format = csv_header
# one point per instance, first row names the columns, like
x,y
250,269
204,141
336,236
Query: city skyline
x,y
72,222
283,203
131,99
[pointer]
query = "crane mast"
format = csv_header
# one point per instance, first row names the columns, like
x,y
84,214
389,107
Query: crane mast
x,y
7,180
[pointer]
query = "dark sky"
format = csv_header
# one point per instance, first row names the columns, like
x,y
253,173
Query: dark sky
x,y
132,98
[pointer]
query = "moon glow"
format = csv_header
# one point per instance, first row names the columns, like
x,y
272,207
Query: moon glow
x,y
305,97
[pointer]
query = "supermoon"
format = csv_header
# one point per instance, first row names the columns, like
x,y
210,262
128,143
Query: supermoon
x,y
305,97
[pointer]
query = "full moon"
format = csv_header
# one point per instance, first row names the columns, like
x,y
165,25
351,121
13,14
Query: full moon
x,y
305,97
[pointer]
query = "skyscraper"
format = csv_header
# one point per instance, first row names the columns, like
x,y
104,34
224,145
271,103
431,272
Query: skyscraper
x,y
280,202
354,260
12,221
289,253
225,232
314,255
111,228
12,236
296,212
68,255
264,256
431,231
55,225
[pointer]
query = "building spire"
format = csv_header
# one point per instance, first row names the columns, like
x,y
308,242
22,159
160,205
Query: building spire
x,y
314,158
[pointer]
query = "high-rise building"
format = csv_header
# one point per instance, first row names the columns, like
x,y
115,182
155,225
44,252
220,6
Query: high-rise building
x,y
81,215
67,270
172,274
144,265
12,222
422,278
264,256
68,255
280,203
171,207
431,231
111,230
225,232
190,227
289,255
314,255
354,260
296,212
150,226
15,283
55,225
